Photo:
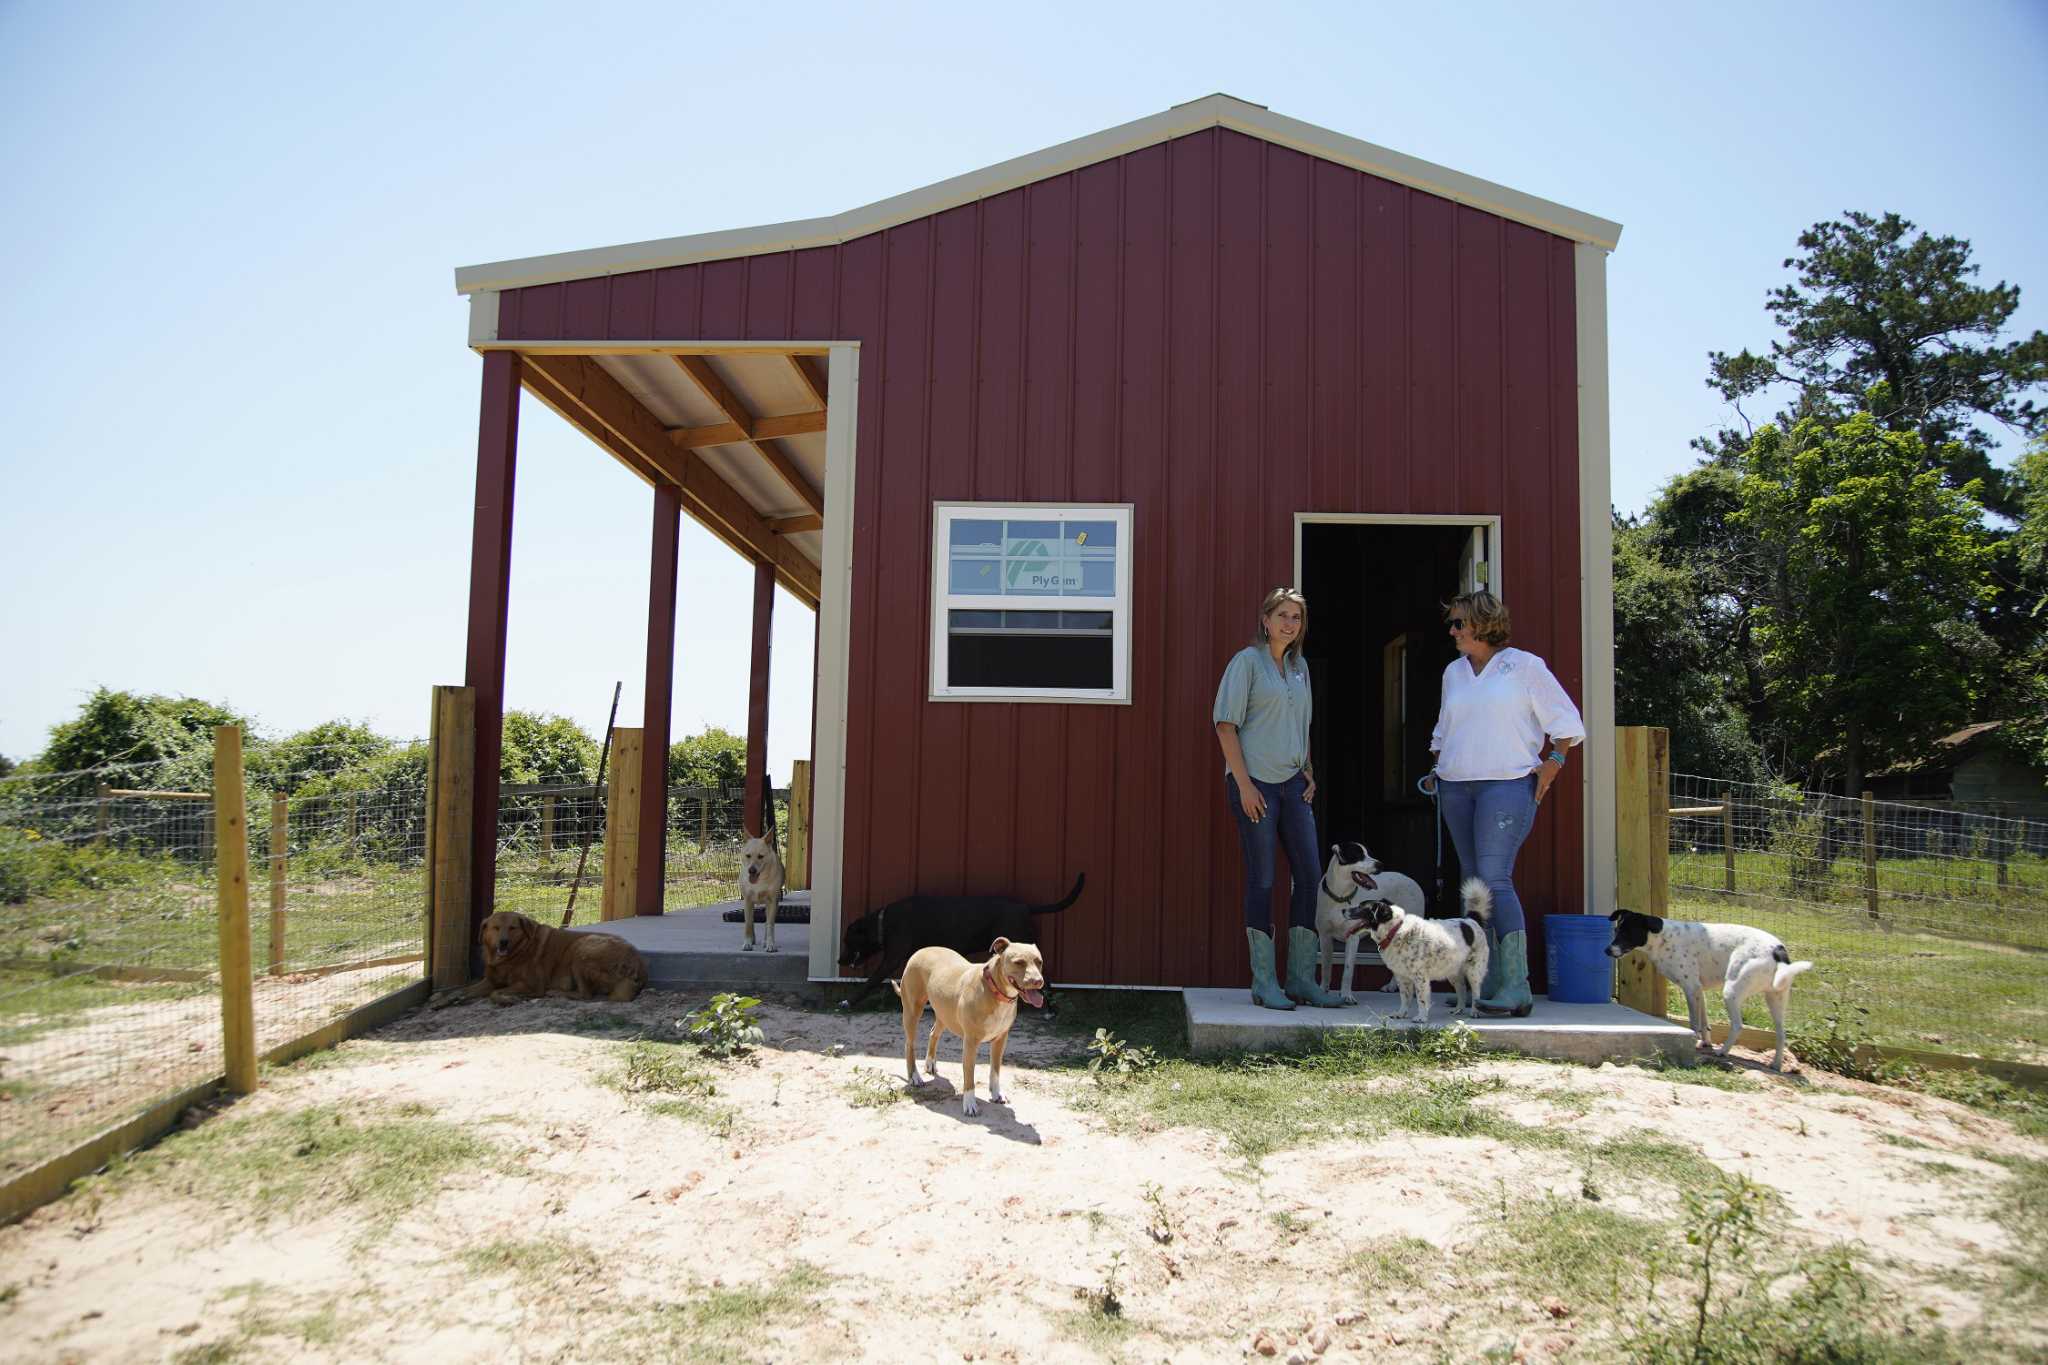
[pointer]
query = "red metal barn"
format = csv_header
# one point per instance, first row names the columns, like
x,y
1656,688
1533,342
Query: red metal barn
x,y
1082,409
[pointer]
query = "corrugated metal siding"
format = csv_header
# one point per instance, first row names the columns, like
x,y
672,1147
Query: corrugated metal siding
x,y
1220,332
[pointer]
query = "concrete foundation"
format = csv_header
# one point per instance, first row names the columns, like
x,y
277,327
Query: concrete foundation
x,y
695,949
1227,1021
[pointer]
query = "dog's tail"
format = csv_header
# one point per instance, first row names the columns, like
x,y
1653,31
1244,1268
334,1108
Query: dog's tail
x,y
1058,906
1478,899
1787,968
896,986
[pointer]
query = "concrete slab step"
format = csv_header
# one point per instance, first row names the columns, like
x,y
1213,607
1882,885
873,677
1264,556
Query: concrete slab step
x,y
696,949
1227,1020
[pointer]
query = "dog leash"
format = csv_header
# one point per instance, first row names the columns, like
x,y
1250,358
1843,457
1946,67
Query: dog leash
x,y
1435,792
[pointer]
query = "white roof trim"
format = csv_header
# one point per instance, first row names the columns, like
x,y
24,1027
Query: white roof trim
x,y
1211,111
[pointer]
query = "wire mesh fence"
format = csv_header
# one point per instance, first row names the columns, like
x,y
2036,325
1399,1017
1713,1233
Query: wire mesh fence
x,y
110,990
1929,919
543,830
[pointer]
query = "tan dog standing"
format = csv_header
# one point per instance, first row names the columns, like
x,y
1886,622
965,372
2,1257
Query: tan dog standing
x,y
761,878
977,1000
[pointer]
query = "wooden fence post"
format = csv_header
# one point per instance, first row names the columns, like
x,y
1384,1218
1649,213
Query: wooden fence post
x,y
352,826
451,812
622,826
99,817
1870,852
1642,845
231,893
1728,840
796,857
703,823
547,829
279,846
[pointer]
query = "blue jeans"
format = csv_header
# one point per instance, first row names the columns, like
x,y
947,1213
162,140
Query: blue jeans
x,y
1289,821
1488,822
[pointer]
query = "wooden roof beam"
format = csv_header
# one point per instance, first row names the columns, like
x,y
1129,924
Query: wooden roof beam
x,y
812,376
789,526
731,433
735,412
585,393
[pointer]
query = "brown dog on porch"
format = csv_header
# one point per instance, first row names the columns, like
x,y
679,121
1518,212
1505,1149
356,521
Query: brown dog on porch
x,y
523,957
977,1000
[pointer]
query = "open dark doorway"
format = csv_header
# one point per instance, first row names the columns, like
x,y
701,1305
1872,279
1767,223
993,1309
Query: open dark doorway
x,y
1377,649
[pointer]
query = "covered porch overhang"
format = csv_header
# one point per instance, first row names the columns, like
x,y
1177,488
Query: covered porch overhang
x,y
748,440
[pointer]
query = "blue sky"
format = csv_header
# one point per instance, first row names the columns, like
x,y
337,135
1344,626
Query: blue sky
x,y
237,457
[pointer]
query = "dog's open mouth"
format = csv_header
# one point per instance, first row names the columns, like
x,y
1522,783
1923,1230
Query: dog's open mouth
x,y
1365,880
1035,999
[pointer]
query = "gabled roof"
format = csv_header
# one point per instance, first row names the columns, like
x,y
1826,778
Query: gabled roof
x,y
1211,111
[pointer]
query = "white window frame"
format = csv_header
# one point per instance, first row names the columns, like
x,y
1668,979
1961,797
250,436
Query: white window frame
x,y
945,601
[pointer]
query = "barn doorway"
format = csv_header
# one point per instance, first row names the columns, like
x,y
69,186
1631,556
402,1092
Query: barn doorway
x,y
1377,647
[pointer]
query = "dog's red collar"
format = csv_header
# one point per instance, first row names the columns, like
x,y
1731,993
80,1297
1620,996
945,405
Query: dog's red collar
x,y
1392,934
988,974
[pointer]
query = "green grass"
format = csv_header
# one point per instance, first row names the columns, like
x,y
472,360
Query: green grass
x,y
547,1263
716,1326
674,1083
2019,1205
1388,1263
873,1089
379,1164
1927,991
34,1002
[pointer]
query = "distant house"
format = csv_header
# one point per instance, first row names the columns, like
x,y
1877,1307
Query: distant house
x,y
1969,766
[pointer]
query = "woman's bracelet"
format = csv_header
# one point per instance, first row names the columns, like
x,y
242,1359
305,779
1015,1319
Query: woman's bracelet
x,y
1556,756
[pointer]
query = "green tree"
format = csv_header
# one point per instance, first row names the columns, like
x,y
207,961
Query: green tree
x,y
1667,669
1876,301
546,748
325,751
1868,641
715,758
142,740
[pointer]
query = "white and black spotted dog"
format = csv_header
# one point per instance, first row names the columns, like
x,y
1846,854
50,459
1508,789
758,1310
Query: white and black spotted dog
x,y
1694,956
1419,950
1352,885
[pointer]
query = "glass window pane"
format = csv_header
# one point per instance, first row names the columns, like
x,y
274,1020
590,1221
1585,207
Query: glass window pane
x,y
1028,577
1097,579
975,575
1084,620
1090,539
1033,538
1024,662
975,620
976,537
1031,620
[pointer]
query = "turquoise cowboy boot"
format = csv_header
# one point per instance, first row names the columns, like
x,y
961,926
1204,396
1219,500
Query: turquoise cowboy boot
x,y
1265,990
1302,946
1506,988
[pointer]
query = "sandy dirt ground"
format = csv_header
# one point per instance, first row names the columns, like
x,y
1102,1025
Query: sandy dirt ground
x,y
897,1229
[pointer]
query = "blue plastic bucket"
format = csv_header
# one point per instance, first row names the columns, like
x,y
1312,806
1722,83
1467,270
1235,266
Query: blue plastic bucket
x,y
1575,947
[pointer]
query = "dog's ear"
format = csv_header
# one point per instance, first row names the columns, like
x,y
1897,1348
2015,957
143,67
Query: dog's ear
x,y
999,945
1656,923
1615,918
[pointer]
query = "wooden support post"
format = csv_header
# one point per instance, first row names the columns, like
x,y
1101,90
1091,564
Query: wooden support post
x,y
796,858
651,770
280,833
703,823
490,590
622,827
231,893
1870,852
757,699
1642,845
1728,840
451,804
99,817
547,828
353,827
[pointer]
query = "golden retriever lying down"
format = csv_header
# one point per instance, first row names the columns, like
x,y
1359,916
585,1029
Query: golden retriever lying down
x,y
525,957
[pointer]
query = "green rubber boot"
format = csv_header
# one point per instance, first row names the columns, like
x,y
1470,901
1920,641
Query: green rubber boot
x,y
1302,946
1265,990
1506,988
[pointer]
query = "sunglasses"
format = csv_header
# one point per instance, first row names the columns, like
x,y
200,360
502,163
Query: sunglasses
x,y
1457,623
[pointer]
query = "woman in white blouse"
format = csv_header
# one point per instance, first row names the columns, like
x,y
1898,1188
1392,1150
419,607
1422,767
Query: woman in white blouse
x,y
1500,742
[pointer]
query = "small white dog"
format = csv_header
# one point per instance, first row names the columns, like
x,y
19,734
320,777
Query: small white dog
x,y
1694,955
760,887
1352,884
1419,950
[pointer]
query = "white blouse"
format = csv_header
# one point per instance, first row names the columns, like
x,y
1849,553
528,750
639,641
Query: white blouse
x,y
1492,723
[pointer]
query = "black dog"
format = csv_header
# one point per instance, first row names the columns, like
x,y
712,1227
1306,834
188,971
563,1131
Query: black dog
x,y
966,924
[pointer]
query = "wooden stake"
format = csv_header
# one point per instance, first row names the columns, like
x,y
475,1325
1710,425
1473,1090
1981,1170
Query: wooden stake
x,y
279,845
99,816
1642,818
622,826
1728,840
451,806
237,982
547,829
1870,852
797,872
